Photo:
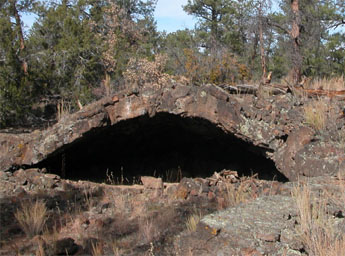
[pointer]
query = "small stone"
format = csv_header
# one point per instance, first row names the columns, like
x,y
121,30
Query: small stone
x,y
19,192
268,237
32,171
19,173
3,175
194,192
43,170
65,246
181,192
171,189
152,182
99,223
211,195
52,176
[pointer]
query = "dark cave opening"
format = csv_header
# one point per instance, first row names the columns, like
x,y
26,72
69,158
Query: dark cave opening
x,y
165,145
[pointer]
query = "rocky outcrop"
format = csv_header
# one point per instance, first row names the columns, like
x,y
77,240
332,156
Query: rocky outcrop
x,y
274,125
268,225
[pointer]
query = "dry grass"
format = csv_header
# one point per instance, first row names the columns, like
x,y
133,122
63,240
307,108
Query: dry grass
x,y
316,229
121,203
315,114
115,248
340,201
51,237
96,249
332,84
89,202
147,230
32,217
235,196
193,221
113,179
173,175
63,109
40,247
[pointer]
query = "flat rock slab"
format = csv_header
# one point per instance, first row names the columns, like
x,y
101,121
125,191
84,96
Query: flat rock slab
x,y
261,227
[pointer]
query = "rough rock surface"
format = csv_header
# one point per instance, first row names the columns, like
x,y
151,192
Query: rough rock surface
x,y
274,124
265,226
256,226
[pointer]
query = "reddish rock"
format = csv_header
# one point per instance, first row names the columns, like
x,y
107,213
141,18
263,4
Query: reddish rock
x,y
250,252
181,192
211,195
285,156
152,182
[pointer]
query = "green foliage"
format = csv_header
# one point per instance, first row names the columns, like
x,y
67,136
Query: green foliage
x,y
321,48
73,48
79,50
175,45
15,86
65,53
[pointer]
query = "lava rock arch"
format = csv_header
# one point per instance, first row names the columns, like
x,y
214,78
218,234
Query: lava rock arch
x,y
165,145
141,128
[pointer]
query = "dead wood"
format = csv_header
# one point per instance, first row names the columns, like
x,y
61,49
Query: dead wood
x,y
340,95
253,88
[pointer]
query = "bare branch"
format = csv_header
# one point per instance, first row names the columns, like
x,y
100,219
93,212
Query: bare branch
x,y
274,24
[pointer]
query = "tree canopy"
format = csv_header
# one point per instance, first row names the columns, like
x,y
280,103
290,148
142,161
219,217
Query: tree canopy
x,y
80,50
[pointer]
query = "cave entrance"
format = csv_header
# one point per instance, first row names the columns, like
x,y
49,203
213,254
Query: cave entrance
x,y
165,145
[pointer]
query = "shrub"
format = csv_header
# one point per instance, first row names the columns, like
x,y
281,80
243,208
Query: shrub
x,y
143,72
32,217
218,68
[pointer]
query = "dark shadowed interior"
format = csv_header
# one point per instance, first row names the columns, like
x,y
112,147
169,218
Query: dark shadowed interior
x,y
165,145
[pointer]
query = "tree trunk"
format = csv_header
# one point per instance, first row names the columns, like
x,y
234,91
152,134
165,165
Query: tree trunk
x,y
255,46
262,49
214,26
20,35
294,33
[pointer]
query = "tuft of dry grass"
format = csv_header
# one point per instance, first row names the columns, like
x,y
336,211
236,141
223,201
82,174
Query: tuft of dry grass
x,y
32,217
193,221
315,114
147,230
235,196
63,109
316,229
